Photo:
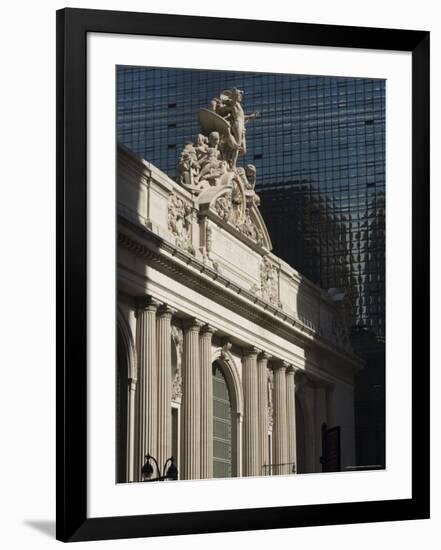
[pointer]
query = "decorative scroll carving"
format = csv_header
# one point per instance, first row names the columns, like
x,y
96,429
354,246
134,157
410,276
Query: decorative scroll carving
x,y
270,408
180,216
208,239
223,207
177,386
250,229
178,340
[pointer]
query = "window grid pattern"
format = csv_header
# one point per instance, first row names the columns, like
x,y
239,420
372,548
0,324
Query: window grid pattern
x,y
222,427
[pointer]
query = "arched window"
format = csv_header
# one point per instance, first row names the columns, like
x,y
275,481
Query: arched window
x,y
222,425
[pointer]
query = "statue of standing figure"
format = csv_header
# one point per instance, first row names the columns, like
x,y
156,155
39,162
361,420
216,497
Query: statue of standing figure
x,y
188,165
229,107
212,159
211,164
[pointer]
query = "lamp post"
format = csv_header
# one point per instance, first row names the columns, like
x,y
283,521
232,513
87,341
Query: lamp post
x,y
169,470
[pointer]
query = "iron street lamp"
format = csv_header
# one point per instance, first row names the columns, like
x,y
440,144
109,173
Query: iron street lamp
x,y
169,470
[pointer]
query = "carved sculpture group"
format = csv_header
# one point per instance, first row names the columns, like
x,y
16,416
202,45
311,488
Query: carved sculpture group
x,y
211,162
215,153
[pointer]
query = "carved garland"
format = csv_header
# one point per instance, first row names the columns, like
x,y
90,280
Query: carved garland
x,y
178,340
270,411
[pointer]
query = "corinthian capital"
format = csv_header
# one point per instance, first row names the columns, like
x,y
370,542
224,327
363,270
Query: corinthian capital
x,y
280,365
165,310
208,330
264,357
192,325
247,352
147,303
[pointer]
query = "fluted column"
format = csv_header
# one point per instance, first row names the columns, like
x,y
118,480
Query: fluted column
x,y
191,403
291,419
207,332
251,464
163,334
279,428
262,391
148,381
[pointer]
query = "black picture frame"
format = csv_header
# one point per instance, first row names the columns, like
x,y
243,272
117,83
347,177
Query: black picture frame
x,y
71,509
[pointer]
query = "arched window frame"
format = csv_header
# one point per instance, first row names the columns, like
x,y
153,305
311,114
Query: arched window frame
x,y
123,327
229,368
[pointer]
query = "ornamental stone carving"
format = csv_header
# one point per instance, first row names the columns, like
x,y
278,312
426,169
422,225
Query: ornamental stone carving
x,y
224,207
226,348
211,161
269,282
270,408
250,229
269,278
178,341
180,218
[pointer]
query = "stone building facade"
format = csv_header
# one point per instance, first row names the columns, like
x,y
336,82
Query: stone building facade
x,y
228,359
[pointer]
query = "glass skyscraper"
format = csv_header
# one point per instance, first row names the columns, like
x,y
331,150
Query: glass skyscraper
x,y
319,151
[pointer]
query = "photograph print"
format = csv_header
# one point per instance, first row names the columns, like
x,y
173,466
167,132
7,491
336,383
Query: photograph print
x,y
250,322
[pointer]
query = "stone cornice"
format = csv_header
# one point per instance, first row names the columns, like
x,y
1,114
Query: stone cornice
x,y
165,310
193,325
189,270
264,357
